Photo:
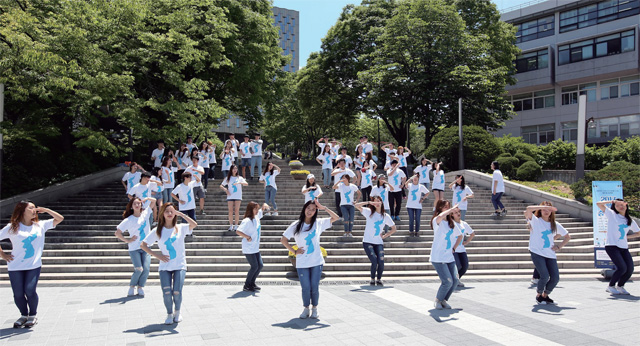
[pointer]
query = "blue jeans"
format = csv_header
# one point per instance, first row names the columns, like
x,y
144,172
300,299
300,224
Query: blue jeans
x,y
310,284
141,263
23,284
495,199
624,265
205,178
348,214
414,216
326,176
166,194
375,252
463,214
462,262
172,282
255,261
256,160
270,197
448,277
549,273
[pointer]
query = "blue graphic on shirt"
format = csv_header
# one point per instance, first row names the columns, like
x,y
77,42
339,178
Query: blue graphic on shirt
x,y
234,187
29,251
395,179
442,178
309,240
256,148
227,160
189,195
424,174
258,230
267,179
145,193
171,177
382,196
131,182
141,230
368,176
403,161
169,244
312,194
448,238
378,226
459,195
347,196
246,149
414,196
622,229
545,237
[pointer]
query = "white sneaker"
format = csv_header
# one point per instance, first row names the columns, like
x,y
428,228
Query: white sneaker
x,y
230,228
612,290
534,281
141,291
622,290
438,304
275,213
305,313
177,317
314,313
460,284
131,292
205,190
267,213
235,228
445,304
169,319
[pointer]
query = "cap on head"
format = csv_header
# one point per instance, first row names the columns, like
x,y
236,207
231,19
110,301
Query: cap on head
x,y
310,176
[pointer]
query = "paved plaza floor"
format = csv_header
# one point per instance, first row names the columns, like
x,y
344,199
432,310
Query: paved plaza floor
x,y
401,313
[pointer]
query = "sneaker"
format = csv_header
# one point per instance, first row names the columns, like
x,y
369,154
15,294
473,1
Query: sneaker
x,y
141,291
131,292
350,235
541,300
549,300
398,218
622,290
235,228
31,321
256,288
177,317
247,288
379,283
613,290
460,284
438,304
230,228
169,319
275,213
305,313
534,281
20,322
372,282
205,190
446,305
314,313
504,212
345,234
267,214
202,212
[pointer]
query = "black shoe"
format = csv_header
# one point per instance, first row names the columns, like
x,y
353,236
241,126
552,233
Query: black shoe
x,y
248,289
504,212
549,300
541,300
372,282
379,283
256,288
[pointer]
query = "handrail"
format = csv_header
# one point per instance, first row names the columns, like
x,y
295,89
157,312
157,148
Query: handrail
x,y
517,7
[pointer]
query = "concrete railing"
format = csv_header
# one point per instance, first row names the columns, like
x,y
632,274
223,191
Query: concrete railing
x,y
55,192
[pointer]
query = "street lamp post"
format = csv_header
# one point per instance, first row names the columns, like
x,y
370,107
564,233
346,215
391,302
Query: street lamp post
x,y
379,147
460,151
582,129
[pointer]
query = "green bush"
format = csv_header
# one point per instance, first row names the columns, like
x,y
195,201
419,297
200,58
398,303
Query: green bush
x,y
218,143
522,157
529,171
505,155
513,145
558,155
508,166
480,147
270,146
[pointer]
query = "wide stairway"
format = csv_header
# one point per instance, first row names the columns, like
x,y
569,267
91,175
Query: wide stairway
x,y
84,248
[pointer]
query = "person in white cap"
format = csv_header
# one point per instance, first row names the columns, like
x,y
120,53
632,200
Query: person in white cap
x,y
311,190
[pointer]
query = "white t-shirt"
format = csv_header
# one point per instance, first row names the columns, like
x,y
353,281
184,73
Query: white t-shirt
x,y
234,185
339,176
196,172
358,161
270,179
497,176
158,154
245,150
415,194
459,194
438,181
234,145
190,146
132,179
253,229
366,179
184,159
308,239
155,187
185,193
227,161
142,192
466,230
325,158
212,156
395,180
617,229
311,195
424,173
171,244
256,145
541,237
367,147
138,226
383,192
334,151
444,238
27,243
402,159
347,193
375,225
204,159
389,152
168,175
347,159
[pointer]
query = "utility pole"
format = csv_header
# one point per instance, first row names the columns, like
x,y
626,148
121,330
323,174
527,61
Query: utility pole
x,y
582,131
460,151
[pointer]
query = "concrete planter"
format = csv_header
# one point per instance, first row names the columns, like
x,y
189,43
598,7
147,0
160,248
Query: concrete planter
x,y
299,176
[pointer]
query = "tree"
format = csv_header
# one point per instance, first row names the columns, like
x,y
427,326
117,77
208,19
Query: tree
x,y
480,147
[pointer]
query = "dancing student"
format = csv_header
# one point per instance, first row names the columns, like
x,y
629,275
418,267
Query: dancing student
x,y
211,150
396,180
227,158
268,178
185,196
256,156
335,150
232,186
382,190
142,190
619,223
389,151
167,174
497,190
182,157
368,158
417,193
347,159
337,174
366,146
26,233
325,160
544,229
250,230
373,240
158,154
197,171
347,200
366,181
245,152
462,261
204,163
172,257
402,155
446,238
311,190
424,169
461,193
156,186
136,223
131,178
438,184
358,160
190,145
306,232
235,145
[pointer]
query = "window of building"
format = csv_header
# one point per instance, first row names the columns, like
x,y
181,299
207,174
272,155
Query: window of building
x,y
630,86
237,122
624,126
597,13
602,46
609,89
228,122
532,61
538,134
535,29
570,131
570,94
536,100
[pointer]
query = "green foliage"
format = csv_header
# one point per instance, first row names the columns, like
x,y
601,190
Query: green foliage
x,y
513,145
504,155
508,165
558,155
480,147
522,157
530,171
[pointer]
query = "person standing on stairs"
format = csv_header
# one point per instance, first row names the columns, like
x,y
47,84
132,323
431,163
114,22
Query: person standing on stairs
x,y
462,261
402,155
337,174
343,155
197,171
396,180
382,190
325,160
156,186
131,178
232,186
438,184
142,190
619,223
311,190
184,161
309,261
183,193
446,238
172,256
211,150
245,156
461,193
497,190
204,163
366,181
158,154
390,152
544,229
358,160
373,240
235,145
256,154
136,223
227,159
417,193
26,233
250,230
347,200
268,178
424,170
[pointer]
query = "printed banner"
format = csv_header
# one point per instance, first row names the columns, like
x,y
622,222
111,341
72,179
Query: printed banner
x,y
602,191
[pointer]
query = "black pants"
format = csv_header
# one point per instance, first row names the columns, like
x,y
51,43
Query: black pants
x,y
623,262
404,169
212,167
375,252
366,193
395,202
462,262
255,261
339,211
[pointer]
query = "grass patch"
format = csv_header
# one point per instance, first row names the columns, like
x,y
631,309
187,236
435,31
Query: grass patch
x,y
555,187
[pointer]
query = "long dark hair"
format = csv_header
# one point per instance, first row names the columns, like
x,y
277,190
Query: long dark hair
x,y
166,160
324,149
230,174
462,184
161,220
248,213
131,165
439,208
18,214
310,184
626,213
266,168
128,210
368,156
552,217
373,208
378,183
300,221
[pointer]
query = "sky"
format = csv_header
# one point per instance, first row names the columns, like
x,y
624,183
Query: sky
x,y
318,16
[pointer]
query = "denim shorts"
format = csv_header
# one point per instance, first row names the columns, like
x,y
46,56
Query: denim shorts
x,y
233,199
198,192
245,163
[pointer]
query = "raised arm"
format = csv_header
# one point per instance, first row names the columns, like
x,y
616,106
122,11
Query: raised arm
x,y
359,205
190,221
334,216
603,205
530,209
57,218
444,214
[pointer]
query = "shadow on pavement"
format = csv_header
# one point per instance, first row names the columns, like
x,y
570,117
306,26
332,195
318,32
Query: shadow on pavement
x,y
242,294
369,288
443,315
630,298
302,324
550,309
154,330
121,300
14,333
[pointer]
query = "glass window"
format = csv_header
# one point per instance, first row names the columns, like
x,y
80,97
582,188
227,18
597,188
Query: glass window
x,y
603,46
532,61
229,122
237,122
570,131
535,29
